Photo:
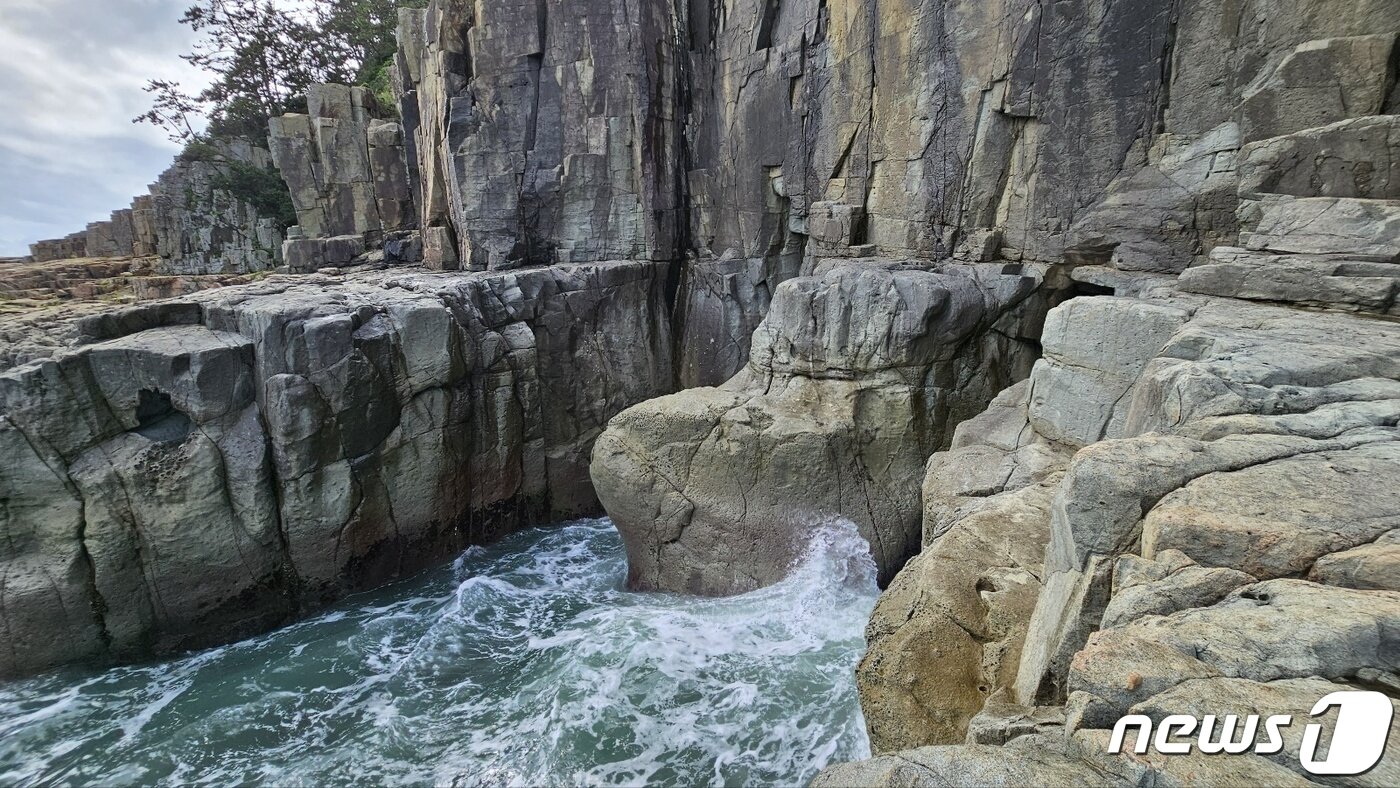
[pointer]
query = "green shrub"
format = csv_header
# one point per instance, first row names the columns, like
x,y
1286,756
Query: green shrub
x,y
262,188
381,84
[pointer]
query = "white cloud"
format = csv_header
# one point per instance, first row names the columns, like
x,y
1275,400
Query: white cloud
x,y
74,72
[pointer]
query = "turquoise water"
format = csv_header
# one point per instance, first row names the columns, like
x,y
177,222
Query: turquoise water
x,y
525,663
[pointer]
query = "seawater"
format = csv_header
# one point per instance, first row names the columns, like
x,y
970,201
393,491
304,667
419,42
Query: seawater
x,y
525,663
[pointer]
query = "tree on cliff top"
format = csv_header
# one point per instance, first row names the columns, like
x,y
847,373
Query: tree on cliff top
x,y
263,55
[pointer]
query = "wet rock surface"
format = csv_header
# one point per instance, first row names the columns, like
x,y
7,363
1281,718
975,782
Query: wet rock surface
x,y
847,231
855,375
225,463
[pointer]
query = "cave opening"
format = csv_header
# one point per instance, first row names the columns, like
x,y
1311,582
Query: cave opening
x,y
157,418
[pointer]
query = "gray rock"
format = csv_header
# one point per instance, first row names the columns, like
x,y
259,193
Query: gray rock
x,y
303,438
1193,769
1294,697
347,173
721,303
1323,281
342,250
1000,722
1166,585
1367,229
1278,629
1320,82
1276,519
1089,365
1372,566
1349,158
851,382
969,766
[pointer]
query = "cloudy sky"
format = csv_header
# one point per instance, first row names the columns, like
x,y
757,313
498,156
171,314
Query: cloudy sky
x,y
73,72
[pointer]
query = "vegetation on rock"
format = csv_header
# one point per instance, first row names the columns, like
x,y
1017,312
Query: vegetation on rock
x,y
263,55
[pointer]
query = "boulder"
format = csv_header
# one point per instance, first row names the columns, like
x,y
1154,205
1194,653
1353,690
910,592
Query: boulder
x,y
856,376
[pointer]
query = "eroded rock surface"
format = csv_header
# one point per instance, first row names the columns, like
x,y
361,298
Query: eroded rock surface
x,y
1221,511
189,219
190,472
855,377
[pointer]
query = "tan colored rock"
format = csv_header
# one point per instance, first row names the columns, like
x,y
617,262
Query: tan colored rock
x,y
854,379
1293,697
1166,585
1278,518
1373,566
1028,762
1278,629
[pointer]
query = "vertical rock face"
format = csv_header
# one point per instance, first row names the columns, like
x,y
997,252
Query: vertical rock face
x,y
856,375
741,138
546,132
844,221
69,247
345,169
1120,138
266,448
202,228
1184,457
190,220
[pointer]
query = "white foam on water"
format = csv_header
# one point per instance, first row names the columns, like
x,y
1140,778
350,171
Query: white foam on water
x,y
526,663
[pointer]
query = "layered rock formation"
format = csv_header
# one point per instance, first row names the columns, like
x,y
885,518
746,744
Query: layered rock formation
x,y
190,221
1186,509
847,223
1214,530
543,132
348,178
855,376
203,469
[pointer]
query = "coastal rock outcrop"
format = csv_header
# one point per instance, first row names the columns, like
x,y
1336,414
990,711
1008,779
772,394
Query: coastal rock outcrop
x,y
190,220
1086,311
190,472
543,133
347,174
856,375
1178,508
1218,527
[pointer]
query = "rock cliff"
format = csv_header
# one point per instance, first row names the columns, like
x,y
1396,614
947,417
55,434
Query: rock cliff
x,y
195,470
1084,313
189,221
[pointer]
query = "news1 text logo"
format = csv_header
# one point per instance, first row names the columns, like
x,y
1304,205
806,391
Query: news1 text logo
x,y
1357,743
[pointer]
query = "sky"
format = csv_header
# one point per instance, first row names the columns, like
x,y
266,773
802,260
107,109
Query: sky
x,y
71,78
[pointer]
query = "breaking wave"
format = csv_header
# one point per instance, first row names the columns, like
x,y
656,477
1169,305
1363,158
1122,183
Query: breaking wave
x,y
525,663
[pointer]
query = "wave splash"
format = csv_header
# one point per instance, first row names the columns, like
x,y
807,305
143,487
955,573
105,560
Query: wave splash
x,y
526,663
